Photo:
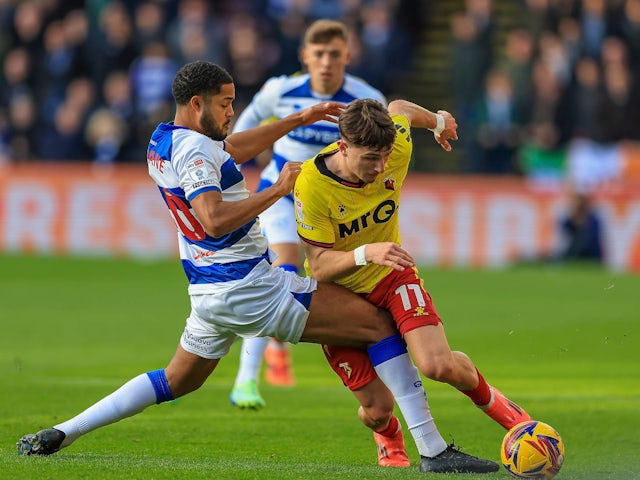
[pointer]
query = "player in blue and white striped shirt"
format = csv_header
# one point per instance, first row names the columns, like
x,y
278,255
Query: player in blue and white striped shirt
x,y
325,56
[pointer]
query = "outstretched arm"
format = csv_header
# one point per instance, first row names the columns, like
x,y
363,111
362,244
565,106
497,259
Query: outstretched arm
x,y
442,123
243,146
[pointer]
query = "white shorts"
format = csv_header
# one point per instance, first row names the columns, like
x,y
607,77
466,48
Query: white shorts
x,y
268,302
278,222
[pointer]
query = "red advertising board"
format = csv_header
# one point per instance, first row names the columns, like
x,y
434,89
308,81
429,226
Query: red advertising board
x,y
465,221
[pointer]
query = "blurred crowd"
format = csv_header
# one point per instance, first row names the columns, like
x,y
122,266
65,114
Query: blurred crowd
x,y
559,95
90,80
555,89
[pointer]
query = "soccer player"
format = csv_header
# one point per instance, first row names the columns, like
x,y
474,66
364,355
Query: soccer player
x,y
325,56
346,203
234,290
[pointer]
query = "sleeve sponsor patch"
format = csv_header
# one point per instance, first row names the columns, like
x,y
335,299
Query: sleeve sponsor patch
x,y
198,170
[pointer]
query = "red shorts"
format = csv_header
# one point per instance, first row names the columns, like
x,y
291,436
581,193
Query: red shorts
x,y
403,295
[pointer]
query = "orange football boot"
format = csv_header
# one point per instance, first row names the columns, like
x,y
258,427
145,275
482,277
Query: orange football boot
x,y
278,361
391,450
504,411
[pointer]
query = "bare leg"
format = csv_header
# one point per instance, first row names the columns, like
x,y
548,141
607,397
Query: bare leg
x,y
436,361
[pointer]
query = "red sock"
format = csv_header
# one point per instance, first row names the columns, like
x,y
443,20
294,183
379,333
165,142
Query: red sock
x,y
481,395
391,429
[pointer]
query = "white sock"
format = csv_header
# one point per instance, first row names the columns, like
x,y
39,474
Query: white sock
x,y
133,397
402,378
251,359
425,433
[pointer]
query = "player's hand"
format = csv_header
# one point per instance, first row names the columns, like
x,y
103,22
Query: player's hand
x,y
322,111
389,254
287,178
450,131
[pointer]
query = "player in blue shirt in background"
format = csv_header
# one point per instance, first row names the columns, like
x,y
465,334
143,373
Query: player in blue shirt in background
x,y
325,56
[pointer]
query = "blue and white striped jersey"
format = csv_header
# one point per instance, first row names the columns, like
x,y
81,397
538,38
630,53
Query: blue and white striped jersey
x,y
284,95
184,164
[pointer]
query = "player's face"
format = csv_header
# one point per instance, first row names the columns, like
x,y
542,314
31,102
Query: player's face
x,y
326,64
217,112
362,163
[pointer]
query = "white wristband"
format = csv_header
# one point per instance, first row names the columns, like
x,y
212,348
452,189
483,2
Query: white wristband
x,y
439,125
359,256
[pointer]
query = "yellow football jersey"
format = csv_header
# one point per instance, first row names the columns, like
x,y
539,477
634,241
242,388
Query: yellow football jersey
x,y
334,213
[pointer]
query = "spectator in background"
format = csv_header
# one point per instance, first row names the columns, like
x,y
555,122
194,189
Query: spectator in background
x,y
251,57
517,64
536,17
290,29
64,140
59,65
118,100
554,56
548,119
17,75
149,24
594,25
586,98
76,31
105,134
629,31
472,50
195,22
28,21
498,125
22,132
150,76
546,127
581,230
112,48
569,36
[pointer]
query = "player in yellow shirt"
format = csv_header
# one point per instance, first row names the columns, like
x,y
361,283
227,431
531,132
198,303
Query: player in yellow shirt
x,y
346,203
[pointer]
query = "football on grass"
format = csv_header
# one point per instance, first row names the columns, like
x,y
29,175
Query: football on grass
x,y
532,450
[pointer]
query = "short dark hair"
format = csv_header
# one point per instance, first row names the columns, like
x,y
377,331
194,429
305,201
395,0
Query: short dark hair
x,y
198,78
367,123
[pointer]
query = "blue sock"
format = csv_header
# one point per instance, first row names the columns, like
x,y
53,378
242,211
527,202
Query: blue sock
x,y
160,385
386,349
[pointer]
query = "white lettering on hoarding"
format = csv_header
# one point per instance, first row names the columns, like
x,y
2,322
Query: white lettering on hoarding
x,y
30,212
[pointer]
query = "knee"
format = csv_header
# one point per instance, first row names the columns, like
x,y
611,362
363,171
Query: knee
x,y
376,416
441,369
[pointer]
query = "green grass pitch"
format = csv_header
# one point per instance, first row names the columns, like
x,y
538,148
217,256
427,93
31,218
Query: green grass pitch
x,y
563,341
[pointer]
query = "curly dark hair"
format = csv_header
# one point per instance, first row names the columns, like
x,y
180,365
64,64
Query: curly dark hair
x,y
198,78
367,123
